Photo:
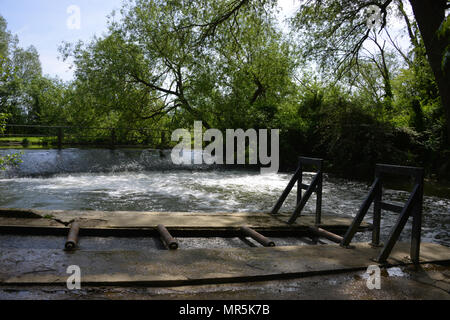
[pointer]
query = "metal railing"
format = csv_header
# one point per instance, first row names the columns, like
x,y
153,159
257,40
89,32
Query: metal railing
x,y
412,208
315,187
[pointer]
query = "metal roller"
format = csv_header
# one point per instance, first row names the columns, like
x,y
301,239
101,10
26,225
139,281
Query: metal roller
x,y
326,234
257,237
167,238
72,238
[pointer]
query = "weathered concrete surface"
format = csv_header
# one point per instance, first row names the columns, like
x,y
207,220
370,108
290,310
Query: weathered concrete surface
x,y
196,266
172,220
398,283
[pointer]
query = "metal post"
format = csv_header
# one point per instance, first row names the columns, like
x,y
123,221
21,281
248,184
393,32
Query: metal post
x,y
417,221
319,199
298,210
377,212
300,183
361,214
395,233
60,137
286,192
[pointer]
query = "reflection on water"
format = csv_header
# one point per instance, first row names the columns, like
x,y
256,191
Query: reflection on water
x,y
144,181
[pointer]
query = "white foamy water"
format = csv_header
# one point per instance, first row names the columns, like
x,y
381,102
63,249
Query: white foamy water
x,y
135,181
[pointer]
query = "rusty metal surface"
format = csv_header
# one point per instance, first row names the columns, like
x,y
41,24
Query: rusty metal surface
x,y
257,237
167,238
72,238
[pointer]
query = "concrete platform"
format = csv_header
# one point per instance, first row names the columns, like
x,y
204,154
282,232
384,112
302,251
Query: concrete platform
x,y
141,266
427,282
197,266
180,223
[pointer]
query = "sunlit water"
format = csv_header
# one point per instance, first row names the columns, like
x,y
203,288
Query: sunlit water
x,y
136,180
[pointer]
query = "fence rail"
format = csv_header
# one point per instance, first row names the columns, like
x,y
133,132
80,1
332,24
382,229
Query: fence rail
x,y
81,127
79,135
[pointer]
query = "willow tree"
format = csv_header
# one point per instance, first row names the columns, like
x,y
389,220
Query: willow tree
x,y
7,80
336,31
15,94
156,62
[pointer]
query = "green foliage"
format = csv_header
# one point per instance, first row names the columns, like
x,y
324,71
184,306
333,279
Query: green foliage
x,y
19,69
9,87
332,32
152,70
5,38
356,141
165,64
9,159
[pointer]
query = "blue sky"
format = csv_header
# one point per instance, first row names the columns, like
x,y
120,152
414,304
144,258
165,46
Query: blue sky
x,y
43,23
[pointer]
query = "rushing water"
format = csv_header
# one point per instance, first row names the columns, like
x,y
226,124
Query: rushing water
x,y
136,180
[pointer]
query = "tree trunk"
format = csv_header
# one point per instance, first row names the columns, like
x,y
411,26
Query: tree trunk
x,y
429,16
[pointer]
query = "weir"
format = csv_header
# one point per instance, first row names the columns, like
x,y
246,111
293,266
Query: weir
x,y
264,260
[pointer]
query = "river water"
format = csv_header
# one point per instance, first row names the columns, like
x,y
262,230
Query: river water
x,y
137,180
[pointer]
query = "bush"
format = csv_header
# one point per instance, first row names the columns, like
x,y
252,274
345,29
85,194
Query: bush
x,y
354,142
25,142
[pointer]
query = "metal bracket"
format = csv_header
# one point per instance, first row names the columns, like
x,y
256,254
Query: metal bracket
x,y
315,187
413,208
